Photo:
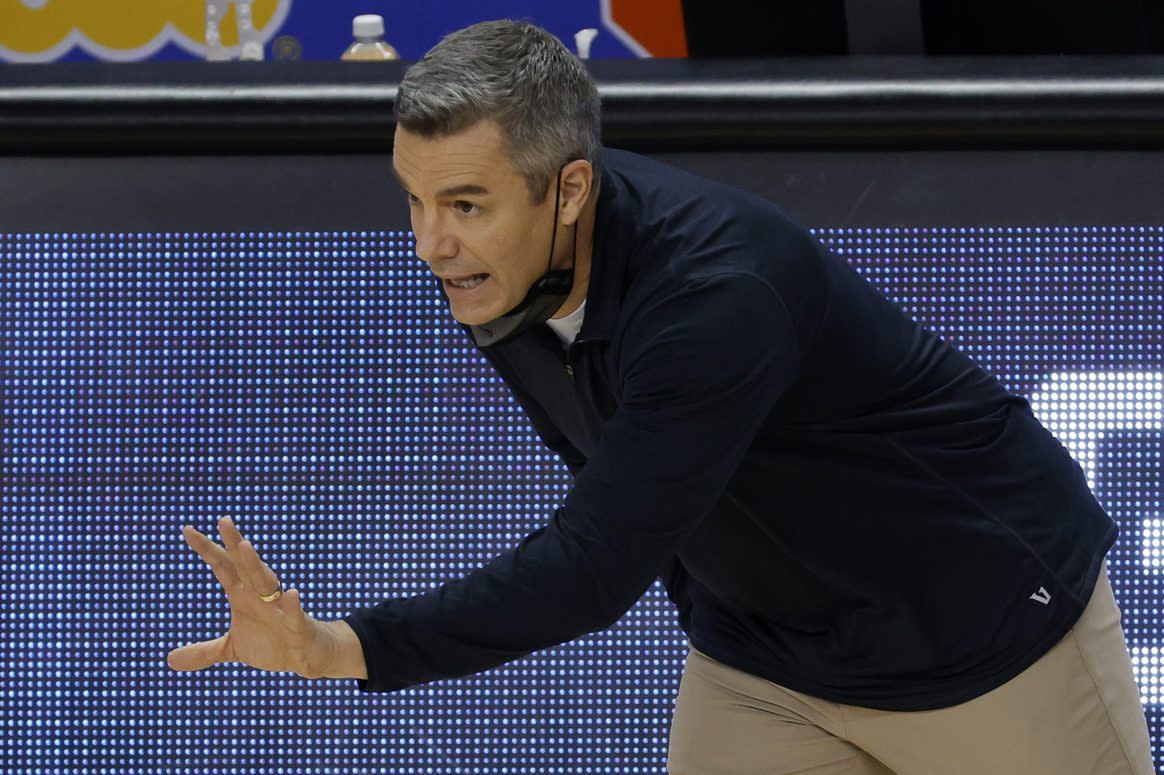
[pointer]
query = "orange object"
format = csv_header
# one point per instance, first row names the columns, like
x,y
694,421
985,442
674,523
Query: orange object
x,y
657,25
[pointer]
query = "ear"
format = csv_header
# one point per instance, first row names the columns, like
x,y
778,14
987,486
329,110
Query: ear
x,y
577,182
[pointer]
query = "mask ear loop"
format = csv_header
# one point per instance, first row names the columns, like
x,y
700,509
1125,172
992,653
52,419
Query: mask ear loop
x,y
552,288
554,231
574,248
574,245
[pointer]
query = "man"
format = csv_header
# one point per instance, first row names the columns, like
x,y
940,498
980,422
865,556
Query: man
x,y
884,563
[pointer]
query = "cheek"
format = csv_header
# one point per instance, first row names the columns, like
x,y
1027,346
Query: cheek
x,y
518,267
509,249
502,254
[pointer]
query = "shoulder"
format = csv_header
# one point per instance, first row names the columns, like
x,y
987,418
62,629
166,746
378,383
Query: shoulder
x,y
692,245
729,320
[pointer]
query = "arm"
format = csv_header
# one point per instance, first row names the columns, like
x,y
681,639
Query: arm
x,y
665,457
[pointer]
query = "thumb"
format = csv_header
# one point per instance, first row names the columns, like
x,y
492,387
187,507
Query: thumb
x,y
197,656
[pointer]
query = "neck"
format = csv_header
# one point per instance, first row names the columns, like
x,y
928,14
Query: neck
x,y
585,227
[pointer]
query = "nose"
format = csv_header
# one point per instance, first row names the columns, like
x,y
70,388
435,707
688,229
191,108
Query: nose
x,y
433,240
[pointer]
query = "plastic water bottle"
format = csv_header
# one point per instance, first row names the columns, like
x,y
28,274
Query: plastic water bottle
x,y
368,30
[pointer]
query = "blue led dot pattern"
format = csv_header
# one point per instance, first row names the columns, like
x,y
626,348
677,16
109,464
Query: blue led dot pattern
x,y
313,386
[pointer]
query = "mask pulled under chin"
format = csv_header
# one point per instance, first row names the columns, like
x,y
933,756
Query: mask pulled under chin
x,y
544,298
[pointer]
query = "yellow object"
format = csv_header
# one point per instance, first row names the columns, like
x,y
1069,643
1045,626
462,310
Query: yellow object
x,y
368,30
119,30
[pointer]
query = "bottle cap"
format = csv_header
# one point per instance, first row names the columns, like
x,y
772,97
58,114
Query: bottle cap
x,y
368,25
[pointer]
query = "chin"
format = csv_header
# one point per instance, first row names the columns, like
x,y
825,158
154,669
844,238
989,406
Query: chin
x,y
474,316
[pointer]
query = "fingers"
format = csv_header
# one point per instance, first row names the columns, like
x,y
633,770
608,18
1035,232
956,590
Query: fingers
x,y
257,574
262,578
198,656
215,556
232,538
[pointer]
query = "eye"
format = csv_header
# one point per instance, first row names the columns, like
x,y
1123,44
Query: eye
x,y
466,208
412,200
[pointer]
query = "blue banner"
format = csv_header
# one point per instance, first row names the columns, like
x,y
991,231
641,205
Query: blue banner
x,y
131,30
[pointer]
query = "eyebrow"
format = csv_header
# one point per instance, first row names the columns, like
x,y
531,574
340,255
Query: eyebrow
x,y
464,189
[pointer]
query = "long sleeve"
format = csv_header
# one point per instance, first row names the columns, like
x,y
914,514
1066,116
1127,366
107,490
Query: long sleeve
x,y
699,369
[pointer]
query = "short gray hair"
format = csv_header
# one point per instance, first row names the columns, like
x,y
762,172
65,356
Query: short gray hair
x,y
520,76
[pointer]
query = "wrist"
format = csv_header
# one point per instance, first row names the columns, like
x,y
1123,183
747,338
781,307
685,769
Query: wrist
x,y
347,653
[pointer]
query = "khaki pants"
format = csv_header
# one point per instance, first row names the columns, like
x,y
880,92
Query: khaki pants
x,y
1076,711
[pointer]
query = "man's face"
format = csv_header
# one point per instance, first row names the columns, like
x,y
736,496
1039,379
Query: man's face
x,y
472,215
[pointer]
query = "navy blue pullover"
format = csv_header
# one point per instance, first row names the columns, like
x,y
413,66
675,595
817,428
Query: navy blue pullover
x,y
836,499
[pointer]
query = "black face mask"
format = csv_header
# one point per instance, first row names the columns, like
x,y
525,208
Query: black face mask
x,y
544,298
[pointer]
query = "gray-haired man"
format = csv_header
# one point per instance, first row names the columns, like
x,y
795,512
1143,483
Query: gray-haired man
x,y
883,561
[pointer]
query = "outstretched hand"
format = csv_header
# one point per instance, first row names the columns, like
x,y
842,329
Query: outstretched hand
x,y
276,636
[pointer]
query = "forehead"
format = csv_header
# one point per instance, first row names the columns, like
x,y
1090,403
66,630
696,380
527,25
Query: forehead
x,y
476,152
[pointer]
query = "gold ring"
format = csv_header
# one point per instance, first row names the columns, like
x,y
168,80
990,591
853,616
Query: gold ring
x,y
271,598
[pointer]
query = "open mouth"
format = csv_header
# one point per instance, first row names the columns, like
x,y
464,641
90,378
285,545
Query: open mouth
x,y
469,284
